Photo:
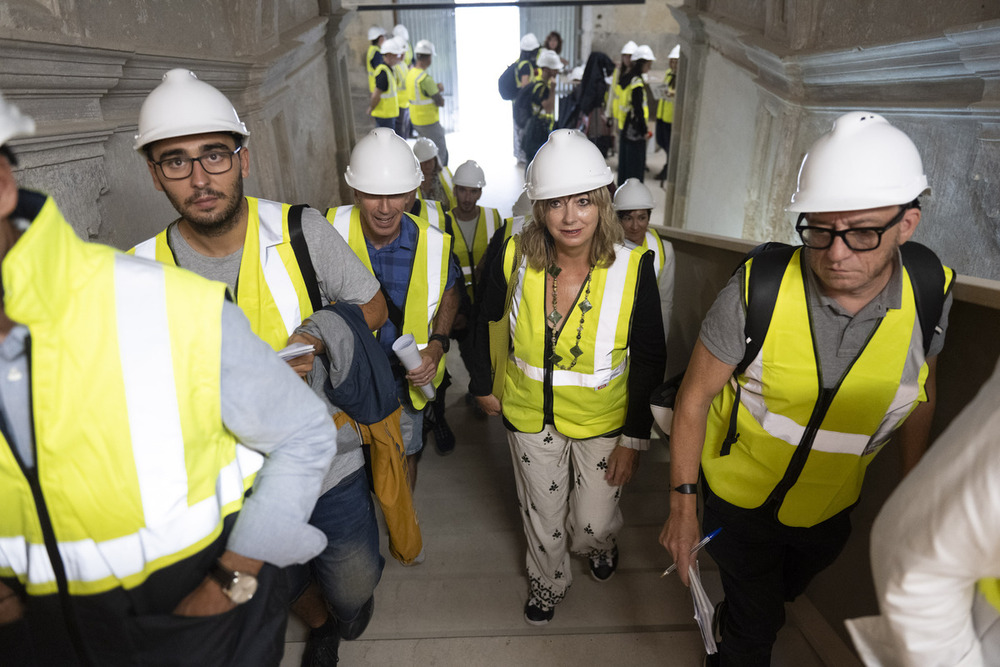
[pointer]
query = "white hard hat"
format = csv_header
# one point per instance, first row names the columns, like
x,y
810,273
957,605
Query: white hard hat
x,y
394,45
566,164
469,174
629,48
522,207
424,47
183,105
425,149
383,164
863,162
549,59
633,196
399,30
643,53
13,123
576,74
529,42
375,32
675,52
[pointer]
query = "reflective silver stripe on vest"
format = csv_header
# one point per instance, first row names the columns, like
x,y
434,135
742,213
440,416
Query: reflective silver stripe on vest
x,y
607,328
275,273
147,249
787,430
421,99
435,256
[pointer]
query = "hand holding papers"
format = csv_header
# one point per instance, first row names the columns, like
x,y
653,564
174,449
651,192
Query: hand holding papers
x,y
406,349
295,350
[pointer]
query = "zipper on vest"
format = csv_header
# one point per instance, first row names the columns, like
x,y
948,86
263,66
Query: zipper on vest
x,y
547,400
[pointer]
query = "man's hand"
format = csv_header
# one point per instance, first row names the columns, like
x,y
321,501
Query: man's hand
x,y
489,404
208,599
621,465
11,607
680,533
424,374
304,363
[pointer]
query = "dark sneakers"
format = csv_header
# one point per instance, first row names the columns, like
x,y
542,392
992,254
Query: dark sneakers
x,y
322,646
603,567
537,614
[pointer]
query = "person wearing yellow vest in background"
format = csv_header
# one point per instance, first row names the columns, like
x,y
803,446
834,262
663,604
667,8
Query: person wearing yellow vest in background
x,y
542,99
373,56
633,122
935,552
843,365
524,74
383,105
613,101
412,262
665,109
426,96
195,147
586,349
634,204
438,184
129,385
401,69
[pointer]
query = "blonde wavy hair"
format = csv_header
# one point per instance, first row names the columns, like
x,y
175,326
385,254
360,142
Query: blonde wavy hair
x,y
539,247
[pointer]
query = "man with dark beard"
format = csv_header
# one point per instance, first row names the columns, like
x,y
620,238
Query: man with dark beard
x,y
195,149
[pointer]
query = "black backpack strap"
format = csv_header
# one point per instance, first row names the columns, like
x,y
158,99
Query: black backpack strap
x,y
769,263
301,250
927,277
395,314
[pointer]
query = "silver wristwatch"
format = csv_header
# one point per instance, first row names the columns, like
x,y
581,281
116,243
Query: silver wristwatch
x,y
238,586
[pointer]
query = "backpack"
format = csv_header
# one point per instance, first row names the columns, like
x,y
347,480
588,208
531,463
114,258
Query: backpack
x,y
770,260
524,105
507,83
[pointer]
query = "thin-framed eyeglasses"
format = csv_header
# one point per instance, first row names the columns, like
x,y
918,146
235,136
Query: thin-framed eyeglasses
x,y
858,239
213,162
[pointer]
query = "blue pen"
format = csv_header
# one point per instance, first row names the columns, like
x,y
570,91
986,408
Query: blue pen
x,y
695,549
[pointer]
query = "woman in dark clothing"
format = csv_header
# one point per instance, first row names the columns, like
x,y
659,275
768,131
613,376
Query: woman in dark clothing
x,y
635,131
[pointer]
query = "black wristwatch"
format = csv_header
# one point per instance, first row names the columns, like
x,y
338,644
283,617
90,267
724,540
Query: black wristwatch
x,y
441,338
238,586
687,489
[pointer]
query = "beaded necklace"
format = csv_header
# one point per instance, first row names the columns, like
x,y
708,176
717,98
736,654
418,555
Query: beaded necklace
x,y
554,317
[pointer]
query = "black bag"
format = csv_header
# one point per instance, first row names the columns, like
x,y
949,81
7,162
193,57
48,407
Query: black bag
x,y
524,106
507,83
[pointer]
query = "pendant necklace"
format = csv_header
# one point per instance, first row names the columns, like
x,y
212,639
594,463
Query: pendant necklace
x,y
554,317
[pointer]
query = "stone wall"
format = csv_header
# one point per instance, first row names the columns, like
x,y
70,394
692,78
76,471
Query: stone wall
x,y
757,88
84,72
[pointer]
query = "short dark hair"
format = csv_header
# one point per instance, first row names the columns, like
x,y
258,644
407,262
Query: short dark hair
x,y
9,154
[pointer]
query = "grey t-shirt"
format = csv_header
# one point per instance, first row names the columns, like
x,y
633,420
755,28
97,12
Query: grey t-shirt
x,y
339,273
839,336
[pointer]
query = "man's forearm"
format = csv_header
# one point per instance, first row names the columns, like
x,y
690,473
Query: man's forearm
x,y
446,311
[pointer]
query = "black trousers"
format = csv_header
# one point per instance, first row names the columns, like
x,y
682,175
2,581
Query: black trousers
x,y
631,159
763,564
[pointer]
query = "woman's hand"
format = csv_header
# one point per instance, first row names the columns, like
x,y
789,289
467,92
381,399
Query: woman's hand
x,y
621,465
489,404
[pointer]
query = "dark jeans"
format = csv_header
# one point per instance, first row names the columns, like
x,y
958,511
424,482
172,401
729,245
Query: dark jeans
x,y
386,122
631,159
763,564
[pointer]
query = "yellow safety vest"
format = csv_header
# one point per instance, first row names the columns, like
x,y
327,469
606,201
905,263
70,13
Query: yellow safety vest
x,y
433,212
132,406
514,225
372,50
592,398
487,225
408,55
270,289
401,70
626,101
428,278
882,387
665,108
445,177
652,241
423,110
388,103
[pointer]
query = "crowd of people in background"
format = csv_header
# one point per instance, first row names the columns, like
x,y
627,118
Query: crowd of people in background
x,y
198,490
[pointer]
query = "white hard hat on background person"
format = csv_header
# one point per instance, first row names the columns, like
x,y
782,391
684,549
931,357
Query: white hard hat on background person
x,y
675,52
862,162
529,42
633,196
183,105
522,207
425,149
643,53
549,59
576,74
399,30
375,32
424,47
629,48
383,164
13,123
566,164
394,45
470,175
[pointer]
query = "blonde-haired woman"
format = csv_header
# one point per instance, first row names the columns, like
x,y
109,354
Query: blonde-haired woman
x,y
586,350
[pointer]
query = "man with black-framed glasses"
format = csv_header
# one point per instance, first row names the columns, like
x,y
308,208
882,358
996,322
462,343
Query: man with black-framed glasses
x,y
275,259
780,442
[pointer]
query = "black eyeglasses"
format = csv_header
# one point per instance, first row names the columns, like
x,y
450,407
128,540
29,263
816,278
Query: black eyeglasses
x,y
213,162
860,239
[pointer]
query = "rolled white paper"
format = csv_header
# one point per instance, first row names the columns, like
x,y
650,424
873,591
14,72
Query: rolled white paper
x,y
406,349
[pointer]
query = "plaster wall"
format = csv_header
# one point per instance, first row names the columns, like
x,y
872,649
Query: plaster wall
x,y
610,26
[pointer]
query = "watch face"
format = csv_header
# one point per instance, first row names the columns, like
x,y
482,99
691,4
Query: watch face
x,y
242,587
